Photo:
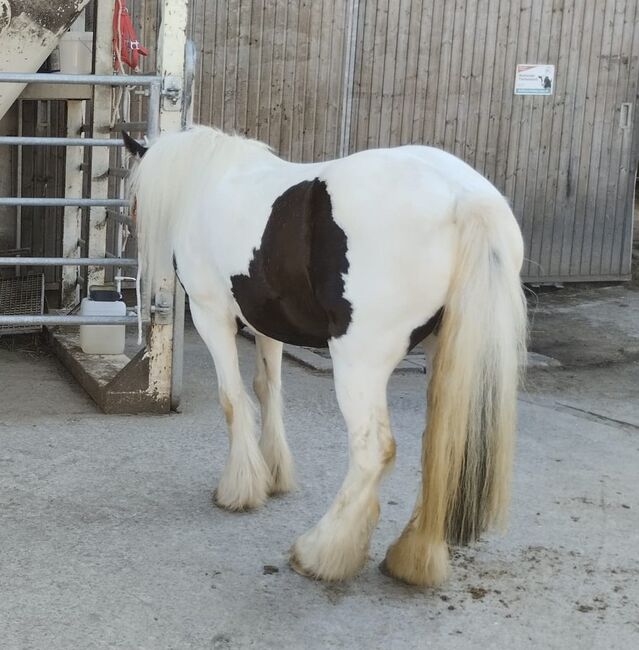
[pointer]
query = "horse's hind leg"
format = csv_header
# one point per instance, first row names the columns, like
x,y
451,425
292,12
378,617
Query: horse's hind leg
x,y
246,480
337,546
268,388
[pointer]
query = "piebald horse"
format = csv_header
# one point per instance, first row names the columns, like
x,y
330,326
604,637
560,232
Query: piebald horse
x,y
369,255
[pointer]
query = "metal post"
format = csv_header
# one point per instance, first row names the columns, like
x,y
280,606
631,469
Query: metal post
x,y
19,186
153,115
179,302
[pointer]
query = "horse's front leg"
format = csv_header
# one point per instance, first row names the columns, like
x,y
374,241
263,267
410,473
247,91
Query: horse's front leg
x,y
268,388
246,479
337,547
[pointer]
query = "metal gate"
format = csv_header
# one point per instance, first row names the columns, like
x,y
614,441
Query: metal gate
x,y
151,381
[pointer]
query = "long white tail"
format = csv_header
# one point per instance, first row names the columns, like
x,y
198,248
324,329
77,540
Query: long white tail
x,y
468,441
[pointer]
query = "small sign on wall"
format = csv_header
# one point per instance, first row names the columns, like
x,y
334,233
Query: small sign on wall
x,y
534,79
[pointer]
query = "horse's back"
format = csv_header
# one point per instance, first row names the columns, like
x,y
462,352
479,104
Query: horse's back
x,y
309,251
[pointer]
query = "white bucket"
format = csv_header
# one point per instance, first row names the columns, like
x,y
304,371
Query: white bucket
x,y
76,53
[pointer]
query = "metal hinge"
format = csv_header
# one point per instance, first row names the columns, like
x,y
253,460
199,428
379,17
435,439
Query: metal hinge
x,y
163,308
171,92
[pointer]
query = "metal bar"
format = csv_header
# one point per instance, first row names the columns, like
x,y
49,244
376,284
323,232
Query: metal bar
x,y
78,79
177,346
68,261
179,298
119,217
128,126
153,117
118,172
53,319
56,202
61,142
19,185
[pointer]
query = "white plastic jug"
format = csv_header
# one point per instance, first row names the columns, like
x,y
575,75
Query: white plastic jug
x,y
76,50
102,339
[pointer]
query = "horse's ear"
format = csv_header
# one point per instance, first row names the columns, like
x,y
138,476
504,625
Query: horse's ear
x,y
136,149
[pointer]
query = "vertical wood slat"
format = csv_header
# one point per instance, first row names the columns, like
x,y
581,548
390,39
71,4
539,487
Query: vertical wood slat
x,y
566,196
376,98
604,221
464,72
363,61
487,150
598,155
625,203
440,47
481,81
566,40
590,104
617,177
540,142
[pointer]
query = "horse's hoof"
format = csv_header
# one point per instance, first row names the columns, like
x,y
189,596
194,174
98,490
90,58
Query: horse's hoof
x,y
228,507
385,571
296,565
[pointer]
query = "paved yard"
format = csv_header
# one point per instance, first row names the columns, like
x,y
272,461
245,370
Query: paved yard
x,y
108,536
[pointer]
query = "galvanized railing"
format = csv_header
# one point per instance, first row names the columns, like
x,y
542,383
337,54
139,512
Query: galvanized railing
x,y
153,84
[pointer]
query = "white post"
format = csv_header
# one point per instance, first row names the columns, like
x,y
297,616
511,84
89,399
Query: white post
x,y
72,214
170,66
73,177
170,62
100,155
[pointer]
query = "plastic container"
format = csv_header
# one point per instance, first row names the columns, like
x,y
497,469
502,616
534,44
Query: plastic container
x,y
102,339
76,50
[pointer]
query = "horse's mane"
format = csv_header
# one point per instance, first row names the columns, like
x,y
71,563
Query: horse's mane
x,y
170,175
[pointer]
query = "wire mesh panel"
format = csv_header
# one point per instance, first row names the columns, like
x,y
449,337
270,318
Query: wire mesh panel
x,y
21,296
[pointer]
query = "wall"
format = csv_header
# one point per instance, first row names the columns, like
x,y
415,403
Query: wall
x,y
322,78
442,73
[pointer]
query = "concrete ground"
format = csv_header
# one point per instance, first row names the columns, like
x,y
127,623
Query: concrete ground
x,y
109,539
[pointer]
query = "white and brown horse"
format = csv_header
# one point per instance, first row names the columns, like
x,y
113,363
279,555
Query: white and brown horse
x,y
368,255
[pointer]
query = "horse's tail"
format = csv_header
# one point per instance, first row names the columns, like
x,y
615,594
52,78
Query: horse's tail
x,y
163,184
468,441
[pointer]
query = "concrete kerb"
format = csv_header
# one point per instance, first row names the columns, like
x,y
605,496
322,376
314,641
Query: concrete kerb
x,y
413,363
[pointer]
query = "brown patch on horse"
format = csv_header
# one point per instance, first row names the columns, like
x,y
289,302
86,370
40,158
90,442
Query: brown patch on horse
x,y
294,290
